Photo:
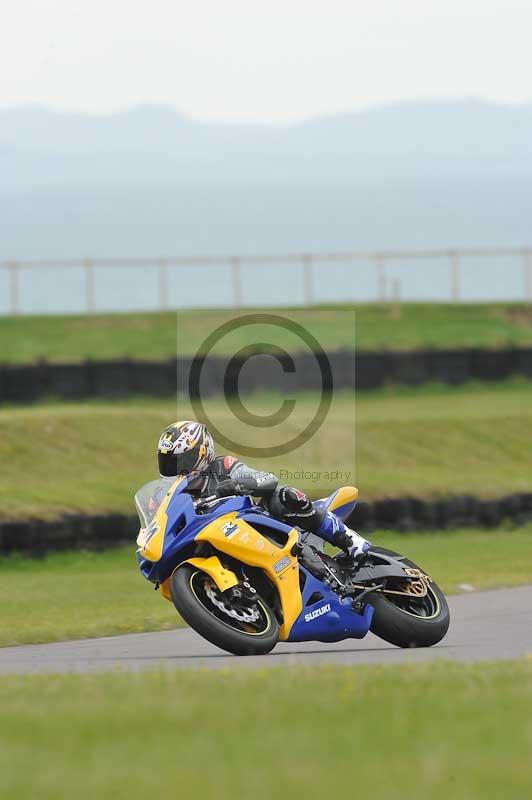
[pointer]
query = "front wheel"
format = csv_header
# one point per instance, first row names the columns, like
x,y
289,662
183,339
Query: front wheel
x,y
243,628
410,621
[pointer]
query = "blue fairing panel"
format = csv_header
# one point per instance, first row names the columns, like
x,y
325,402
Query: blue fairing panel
x,y
265,522
330,619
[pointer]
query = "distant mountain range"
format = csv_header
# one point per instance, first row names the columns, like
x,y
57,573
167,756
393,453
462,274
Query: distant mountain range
x,y
151,144
149,181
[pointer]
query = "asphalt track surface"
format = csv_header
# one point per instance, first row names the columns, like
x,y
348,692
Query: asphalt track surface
x,y
484,626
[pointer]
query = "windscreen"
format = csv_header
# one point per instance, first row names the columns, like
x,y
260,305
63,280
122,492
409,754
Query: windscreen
x,y
149,497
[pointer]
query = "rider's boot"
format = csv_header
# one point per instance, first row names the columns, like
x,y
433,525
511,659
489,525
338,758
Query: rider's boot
x,y
333,530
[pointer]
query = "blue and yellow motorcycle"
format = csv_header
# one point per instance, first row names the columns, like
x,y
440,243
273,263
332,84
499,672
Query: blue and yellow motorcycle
x,y
244,580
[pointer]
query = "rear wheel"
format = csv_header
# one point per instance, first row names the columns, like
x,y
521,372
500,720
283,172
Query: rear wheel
x,y
246,627
410,620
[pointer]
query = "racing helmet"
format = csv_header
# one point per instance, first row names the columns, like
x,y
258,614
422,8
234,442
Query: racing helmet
x,y
184,447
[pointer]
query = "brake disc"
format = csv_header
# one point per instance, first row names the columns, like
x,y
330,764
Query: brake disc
x,y
252,615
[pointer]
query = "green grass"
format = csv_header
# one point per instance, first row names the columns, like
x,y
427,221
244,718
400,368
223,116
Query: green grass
x,y
92,457
79,595
438,730
154,335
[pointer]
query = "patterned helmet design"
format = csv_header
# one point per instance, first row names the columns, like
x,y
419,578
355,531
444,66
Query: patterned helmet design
x,y
184,447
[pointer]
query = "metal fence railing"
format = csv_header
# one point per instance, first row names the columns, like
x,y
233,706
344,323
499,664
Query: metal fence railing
x,y
310,263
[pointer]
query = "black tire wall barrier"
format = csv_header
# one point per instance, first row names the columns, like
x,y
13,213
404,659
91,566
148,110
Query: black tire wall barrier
x,y
405,514
126,377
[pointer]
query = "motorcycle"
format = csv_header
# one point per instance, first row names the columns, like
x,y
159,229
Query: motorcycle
x,y
245,580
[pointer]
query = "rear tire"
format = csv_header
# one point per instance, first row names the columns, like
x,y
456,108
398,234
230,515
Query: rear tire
x,y
192,604
424,624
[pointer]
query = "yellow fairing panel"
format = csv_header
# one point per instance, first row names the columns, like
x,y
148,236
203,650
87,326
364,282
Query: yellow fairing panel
x,y
239,540
344,496
165,589
223,578
151,539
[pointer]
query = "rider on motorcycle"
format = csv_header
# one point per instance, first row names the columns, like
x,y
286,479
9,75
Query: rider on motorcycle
x,y
187,448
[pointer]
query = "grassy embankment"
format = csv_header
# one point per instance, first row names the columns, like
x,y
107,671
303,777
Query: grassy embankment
x,y
154,335
78,595
91,457
449,730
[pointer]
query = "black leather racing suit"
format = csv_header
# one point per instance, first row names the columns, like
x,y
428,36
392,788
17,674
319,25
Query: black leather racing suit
x,y
226,469
227,475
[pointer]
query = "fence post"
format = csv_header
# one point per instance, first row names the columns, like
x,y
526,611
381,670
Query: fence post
x,y
237,281
14,289
396,298
527,274
89,285
381,278
454,266
163,284
308,290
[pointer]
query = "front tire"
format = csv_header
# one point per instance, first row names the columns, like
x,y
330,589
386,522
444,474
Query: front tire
x,y
410,622
199,602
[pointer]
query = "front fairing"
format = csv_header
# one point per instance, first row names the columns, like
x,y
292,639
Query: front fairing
x,y
170,531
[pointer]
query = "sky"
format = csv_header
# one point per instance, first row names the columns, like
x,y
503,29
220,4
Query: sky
x,y
278,61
